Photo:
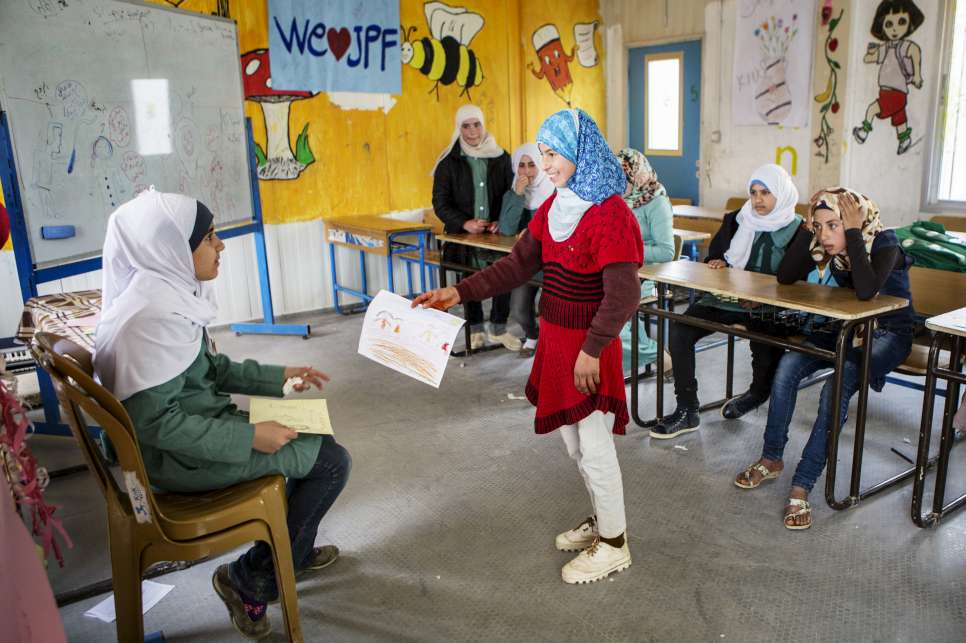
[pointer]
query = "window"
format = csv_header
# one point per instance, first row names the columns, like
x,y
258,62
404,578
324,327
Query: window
x,y
663,104
946,173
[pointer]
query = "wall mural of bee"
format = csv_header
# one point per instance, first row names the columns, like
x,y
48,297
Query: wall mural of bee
x,y
445,56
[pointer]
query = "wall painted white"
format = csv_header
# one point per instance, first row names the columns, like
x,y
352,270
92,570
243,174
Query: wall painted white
x,y
730,153
727,165
893,181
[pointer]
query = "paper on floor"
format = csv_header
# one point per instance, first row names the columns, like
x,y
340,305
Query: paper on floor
x,y
151,593
305,416
413,341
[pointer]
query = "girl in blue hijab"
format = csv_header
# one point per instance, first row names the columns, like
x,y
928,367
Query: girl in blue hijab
x,y
588,244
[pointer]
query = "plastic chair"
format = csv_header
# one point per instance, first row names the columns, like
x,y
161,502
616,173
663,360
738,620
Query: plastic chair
x,y
147,527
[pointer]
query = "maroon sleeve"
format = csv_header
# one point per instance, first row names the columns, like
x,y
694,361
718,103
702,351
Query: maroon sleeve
x,y
506,274
622,295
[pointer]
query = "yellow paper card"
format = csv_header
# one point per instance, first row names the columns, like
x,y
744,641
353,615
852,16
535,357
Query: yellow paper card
x,y
305,416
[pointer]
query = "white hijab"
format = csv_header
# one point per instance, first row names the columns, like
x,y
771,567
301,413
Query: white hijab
x,y
487,148
776,179
154,308
540,188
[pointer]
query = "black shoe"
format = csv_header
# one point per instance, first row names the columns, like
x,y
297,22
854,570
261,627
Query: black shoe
x,y
740,405
683,420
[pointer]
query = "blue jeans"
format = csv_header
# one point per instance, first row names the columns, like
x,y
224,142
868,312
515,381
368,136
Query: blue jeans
x,y
889,350
309,498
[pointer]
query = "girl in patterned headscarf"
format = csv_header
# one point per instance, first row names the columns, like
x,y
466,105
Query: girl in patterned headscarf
x,y
588,244
648,199
848,248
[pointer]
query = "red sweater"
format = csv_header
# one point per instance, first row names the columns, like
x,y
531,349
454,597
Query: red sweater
x,y
619,294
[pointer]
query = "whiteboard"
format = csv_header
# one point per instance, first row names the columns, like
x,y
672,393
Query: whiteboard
x,y
105,98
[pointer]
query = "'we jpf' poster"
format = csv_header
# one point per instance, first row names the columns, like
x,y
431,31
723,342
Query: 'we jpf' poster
x,y
335,46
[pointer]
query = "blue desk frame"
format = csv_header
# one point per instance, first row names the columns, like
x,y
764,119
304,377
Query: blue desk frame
x,y
396,246
30,277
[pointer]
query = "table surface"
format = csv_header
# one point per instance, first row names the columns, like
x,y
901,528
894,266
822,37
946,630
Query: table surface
x,y
837,303
692,235
951,323
487,241
697,211
371,223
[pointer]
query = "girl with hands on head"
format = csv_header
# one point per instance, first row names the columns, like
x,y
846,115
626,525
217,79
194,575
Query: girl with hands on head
x,y
849,248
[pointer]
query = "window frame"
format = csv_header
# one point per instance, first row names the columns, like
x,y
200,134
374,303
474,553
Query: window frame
x,y
932,168
669,55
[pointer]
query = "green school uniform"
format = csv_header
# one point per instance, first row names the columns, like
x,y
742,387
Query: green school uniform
x,y
193,438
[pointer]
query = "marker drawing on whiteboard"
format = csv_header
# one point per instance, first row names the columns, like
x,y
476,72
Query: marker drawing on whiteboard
x,y
70,163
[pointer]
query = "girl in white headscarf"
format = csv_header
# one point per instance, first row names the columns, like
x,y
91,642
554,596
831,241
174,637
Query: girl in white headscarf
x,y
152,351
754,238
530,189
470,178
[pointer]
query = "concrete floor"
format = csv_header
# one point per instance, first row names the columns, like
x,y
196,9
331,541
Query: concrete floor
x,y
447,524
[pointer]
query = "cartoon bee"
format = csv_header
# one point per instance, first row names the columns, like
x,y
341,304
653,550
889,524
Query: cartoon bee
x,y
445,57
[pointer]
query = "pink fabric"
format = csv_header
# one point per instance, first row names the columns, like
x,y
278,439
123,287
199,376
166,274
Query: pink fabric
x,y
29,612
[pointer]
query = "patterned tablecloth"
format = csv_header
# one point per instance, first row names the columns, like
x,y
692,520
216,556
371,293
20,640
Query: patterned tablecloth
x,y
72,315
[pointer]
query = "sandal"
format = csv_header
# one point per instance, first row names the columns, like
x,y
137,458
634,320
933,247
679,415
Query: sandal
x,y
798,508
744,480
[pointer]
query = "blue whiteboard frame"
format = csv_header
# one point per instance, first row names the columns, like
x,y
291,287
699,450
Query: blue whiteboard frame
x,y
30,277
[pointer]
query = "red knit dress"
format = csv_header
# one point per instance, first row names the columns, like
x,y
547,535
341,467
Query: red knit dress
x,y
572,293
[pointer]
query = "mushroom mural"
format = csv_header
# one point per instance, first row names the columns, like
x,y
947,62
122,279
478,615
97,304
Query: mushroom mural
x,y
277,161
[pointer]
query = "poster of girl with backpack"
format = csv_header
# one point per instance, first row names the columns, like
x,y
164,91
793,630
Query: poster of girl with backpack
x,y
900,65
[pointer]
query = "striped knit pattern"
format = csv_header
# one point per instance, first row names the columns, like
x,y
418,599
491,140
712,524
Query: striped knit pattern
x,y
570,299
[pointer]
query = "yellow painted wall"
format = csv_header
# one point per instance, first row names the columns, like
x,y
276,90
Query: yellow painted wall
x,y
372,162
8,246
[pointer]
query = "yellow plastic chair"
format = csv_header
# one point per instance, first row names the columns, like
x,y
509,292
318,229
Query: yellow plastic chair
x,y
147,527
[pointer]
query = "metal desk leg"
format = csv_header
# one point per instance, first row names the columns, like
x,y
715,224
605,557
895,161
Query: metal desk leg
x,y
389,276
946,437
635,364
832,452
925,431
659,364
422,260
335,280
859,441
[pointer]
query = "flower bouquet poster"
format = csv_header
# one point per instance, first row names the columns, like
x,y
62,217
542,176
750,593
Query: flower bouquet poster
x,y
774,46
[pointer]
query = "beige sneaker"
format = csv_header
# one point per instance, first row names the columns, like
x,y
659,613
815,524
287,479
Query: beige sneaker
x,y
477,341
596,562
579,538
510,342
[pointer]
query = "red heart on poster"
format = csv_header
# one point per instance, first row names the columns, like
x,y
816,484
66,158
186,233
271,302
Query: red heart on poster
x,y
339,40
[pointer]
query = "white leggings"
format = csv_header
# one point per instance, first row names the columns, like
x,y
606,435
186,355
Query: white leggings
x,y
591,443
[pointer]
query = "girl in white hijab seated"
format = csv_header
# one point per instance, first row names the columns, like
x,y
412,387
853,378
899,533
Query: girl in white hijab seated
x,y
753,238
153,352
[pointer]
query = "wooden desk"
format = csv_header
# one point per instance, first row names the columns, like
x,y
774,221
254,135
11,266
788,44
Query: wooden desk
x,y
486,241
379,236
698,212
692,240
946,328
698,219
836,303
